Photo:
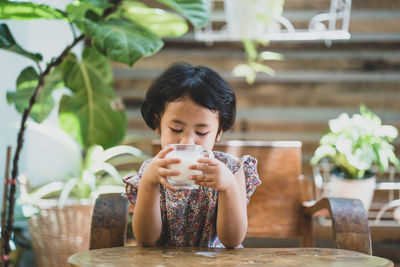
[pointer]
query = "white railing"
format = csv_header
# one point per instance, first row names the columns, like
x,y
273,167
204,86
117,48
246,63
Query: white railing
x,y
332,25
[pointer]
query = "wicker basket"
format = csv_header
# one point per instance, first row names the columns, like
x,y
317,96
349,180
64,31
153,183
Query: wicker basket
x,y
58,233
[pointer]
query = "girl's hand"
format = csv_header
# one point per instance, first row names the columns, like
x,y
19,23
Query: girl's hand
x,y
215,175
157,170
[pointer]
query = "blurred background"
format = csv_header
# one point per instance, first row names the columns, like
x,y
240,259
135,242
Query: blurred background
x,y
306,81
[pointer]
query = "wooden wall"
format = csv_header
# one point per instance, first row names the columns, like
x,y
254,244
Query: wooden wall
x,y
314,83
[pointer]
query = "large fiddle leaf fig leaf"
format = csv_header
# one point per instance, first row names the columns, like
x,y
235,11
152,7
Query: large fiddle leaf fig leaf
x,y
28,10
26,84
98,3
77,10
8,42
158,21
91,114
194,10
122,41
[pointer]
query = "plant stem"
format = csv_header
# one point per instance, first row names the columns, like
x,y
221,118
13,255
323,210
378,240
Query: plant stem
x,y
5,196
20,139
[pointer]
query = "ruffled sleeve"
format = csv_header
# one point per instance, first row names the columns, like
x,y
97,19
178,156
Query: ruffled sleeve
x,y
132,182
251,175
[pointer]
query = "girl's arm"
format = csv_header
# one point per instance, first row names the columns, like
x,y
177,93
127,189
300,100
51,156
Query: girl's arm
x,y
232,212
147,223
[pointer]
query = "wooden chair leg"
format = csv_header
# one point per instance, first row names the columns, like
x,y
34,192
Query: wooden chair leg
x,y
109,221
308,236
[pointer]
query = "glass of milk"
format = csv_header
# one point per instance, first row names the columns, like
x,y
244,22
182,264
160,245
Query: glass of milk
x,y
188,154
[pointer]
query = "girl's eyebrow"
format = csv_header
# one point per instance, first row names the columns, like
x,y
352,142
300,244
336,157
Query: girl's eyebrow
x,y
182,123
178,122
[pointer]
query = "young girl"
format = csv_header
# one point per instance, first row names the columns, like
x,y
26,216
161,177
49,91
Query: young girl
x,y
191,105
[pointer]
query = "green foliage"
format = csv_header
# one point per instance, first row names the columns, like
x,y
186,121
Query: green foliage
x,y
122,41
194,10
97,176
7,42
255,62
354,144
160,22
122,31
26,10
26,84
92,114
269,13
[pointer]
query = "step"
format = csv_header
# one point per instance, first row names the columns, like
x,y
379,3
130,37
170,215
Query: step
x,y
361,21
322,59
324,4
355,4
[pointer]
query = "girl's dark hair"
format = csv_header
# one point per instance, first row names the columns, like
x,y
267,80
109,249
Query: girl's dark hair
x,y
201,84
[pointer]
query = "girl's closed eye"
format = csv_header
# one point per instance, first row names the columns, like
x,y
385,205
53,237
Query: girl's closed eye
x,y
202,134
176,130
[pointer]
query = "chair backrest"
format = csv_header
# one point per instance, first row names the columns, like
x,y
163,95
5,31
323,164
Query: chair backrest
x,y
275,208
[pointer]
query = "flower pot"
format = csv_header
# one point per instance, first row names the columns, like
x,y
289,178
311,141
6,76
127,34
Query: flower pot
x,y
58,233
362,189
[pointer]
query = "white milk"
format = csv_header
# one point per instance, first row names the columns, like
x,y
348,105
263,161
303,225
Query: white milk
x,y
188,158
188,154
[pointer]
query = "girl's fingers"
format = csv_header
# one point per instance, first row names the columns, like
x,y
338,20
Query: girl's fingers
x,y
168,172
201,167
165,183
208,161
201,178
168,161
164,152
205,184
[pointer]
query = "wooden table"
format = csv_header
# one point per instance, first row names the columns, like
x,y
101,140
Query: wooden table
x,y
187,256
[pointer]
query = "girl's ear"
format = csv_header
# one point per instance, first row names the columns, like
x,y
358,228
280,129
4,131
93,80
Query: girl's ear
x,y
157,130
219,134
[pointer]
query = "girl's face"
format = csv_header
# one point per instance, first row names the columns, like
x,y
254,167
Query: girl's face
x,y
185,122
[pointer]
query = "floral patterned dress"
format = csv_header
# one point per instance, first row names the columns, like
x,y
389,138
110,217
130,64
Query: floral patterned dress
x,y
189,216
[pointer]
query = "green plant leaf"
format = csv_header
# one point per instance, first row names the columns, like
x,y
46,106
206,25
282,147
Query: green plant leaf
x,y
121,40
251,49
8,42
27,82
262,68
158,21
91,114
77,10
357,144
66,191
27,10
244,70
268,55
121,150
195,11
98,3
43,191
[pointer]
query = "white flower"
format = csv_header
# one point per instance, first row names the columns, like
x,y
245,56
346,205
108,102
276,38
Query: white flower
x,y
337,125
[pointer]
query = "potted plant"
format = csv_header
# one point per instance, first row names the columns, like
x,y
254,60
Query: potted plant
x,y
115,30
59,212
250,21
357,147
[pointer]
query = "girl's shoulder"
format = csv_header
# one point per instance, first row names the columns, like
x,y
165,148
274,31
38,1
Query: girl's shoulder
x,y
249,165
222,156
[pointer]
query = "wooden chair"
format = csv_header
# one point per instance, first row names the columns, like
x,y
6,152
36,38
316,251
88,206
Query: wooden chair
x,y
280,207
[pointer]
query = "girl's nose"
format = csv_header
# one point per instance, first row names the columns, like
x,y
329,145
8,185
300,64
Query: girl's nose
x,y
187,140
